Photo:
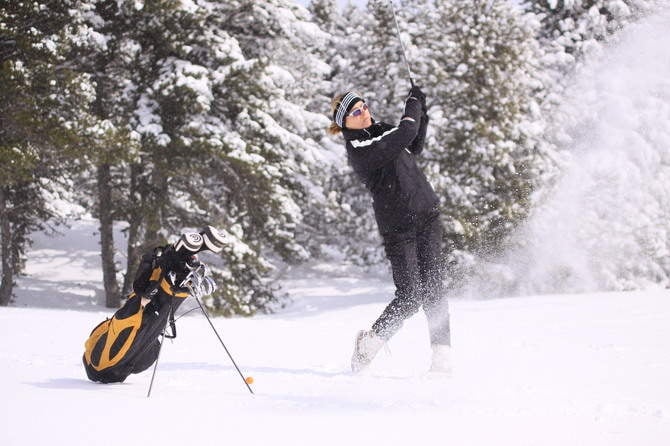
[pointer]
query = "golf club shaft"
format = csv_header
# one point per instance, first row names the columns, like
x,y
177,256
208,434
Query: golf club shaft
x,y
404,55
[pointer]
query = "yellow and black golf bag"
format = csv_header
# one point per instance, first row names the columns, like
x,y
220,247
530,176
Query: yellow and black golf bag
x,y
129,341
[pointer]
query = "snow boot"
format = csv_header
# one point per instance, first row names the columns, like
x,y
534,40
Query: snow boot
x,y
441,360
368,343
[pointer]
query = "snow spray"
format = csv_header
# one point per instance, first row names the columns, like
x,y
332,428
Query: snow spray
x,y
604,224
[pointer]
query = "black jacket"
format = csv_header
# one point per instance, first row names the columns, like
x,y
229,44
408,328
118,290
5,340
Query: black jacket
x,y
383,156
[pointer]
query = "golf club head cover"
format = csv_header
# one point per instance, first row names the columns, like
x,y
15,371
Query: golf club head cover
x,y
208,239
190,242
213,239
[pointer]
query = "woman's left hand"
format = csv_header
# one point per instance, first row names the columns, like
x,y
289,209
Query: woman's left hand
x,y
416,93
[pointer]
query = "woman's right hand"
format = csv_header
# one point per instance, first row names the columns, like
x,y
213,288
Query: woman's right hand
x,y
416,93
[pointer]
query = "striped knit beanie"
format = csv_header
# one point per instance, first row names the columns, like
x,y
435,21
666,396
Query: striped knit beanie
x,y
344,107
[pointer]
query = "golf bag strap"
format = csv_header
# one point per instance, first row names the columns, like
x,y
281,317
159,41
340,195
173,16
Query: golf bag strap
x,y
173,325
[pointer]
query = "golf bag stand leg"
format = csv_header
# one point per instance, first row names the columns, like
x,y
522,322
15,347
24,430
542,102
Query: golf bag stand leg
x,y
223,345
153,374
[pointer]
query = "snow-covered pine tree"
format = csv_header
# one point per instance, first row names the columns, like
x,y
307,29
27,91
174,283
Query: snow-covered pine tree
x,y
283,124
44,103
345,27
569,31
165,158
105,51
219,140
576,25
477,67
348,212
193,167
300,76
376,63
326,15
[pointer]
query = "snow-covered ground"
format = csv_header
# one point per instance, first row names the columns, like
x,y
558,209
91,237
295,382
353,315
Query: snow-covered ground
x,y
589,369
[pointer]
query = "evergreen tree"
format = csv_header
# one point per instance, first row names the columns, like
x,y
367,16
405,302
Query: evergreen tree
x,y
348,206
483,151
43,104
300,80
325,14
195,164
219,138
376,66
575,25
570,30
105,53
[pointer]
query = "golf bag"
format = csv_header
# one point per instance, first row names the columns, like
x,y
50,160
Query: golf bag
x,y
129,341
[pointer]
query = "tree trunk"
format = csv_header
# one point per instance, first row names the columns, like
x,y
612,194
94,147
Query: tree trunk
x,y
133,256
155,220
134,249
7,282
106,218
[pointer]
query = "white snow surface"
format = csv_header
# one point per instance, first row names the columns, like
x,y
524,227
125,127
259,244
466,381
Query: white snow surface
x,y
582,369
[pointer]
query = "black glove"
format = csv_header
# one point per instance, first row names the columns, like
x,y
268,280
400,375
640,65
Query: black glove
x,y
416,93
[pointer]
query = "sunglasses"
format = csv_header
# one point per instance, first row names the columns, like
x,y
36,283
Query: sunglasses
x,y
359,111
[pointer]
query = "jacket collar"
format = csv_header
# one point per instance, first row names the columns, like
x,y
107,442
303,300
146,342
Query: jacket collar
x,y
362,134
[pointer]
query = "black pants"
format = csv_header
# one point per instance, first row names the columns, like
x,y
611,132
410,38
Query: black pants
x,y
418,264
